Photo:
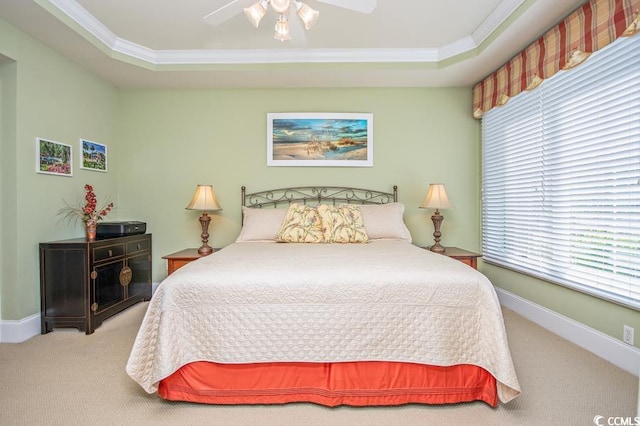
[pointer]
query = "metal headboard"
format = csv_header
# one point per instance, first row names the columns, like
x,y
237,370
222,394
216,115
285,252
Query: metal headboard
x,y
314,195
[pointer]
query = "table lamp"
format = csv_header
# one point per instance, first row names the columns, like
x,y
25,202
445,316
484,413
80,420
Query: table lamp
x,y
436,198
204,200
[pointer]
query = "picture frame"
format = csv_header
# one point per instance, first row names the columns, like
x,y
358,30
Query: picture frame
x,y
93,156
320,139
54,158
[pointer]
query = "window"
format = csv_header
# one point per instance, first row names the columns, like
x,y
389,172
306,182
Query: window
x,y
561,177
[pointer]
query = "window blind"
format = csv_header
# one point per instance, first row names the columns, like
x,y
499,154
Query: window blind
x,y
561,178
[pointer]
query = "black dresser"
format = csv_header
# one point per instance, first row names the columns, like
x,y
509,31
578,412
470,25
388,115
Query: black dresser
x,y
83,283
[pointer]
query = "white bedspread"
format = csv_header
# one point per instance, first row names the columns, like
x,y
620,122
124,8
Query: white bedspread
x,y
270,302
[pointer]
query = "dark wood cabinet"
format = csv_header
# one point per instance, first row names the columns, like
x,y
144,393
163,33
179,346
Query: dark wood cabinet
x,y
83,283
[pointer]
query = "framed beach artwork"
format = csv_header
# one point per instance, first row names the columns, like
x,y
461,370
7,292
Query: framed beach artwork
x,y
53,158
320,139
93,156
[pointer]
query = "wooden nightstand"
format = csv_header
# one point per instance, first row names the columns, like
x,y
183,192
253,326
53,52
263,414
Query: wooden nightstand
x,y
464,256
468,257
180,258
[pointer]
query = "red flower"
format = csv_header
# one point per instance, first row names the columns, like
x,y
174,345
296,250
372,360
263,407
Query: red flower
x,y
89,211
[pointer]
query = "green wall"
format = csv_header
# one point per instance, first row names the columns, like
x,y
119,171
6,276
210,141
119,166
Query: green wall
x,y
596,313
163,143
43,95
8,72
170,141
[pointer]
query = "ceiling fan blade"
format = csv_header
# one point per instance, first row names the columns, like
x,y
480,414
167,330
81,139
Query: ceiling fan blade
x,y
362,6
227,11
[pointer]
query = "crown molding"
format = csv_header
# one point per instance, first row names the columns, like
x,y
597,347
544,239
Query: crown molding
x,y
456,48
500,14
80,16
265,56
90,27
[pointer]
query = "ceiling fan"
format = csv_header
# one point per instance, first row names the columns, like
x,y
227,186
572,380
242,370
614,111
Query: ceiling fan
x,y
287,11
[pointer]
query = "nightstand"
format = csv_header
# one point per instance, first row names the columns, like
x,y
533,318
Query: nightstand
x,y
468,257
180,258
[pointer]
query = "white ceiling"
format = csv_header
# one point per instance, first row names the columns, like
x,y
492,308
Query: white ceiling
x,y
166,43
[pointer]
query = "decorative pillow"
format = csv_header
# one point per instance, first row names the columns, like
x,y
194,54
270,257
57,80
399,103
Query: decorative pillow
x,y
261,224
302,224
342,224
385,221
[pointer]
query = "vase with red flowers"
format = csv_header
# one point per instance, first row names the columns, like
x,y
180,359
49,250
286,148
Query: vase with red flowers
x,y
88,211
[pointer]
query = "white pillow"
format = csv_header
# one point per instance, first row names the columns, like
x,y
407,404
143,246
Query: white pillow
x,y
385,221
261,224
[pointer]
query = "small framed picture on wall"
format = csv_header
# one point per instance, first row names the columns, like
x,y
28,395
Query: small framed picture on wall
x,y
53,158
93,156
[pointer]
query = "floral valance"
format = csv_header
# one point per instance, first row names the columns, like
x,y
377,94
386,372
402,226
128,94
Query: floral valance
x,y
593,26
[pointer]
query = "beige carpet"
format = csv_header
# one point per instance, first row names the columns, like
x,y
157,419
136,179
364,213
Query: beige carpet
x,y
68,378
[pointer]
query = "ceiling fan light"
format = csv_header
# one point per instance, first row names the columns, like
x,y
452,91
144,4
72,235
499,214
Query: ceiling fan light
x,y
282,29
256,12
308,15
279,6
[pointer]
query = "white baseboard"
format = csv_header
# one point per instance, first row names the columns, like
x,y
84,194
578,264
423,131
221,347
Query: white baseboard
x,y
20,330
26,328
615,351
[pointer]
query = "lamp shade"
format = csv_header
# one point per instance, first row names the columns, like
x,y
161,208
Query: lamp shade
x,y
308,15
436,198
282,29
204,199
256,12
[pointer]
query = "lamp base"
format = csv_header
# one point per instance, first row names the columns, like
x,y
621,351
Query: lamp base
x,y
205,250
437,248
437,221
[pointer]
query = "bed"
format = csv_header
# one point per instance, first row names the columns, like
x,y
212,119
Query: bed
x,y
291,312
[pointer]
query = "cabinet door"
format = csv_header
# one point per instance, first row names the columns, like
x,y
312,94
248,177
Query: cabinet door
x,y
140,284
63,282
107,290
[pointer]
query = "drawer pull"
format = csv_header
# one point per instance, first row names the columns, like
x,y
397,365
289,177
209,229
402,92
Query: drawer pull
x,y
125,276
138,247
110,253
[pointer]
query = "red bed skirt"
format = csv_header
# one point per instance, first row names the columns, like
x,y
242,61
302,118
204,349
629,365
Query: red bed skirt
x,y
330,384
